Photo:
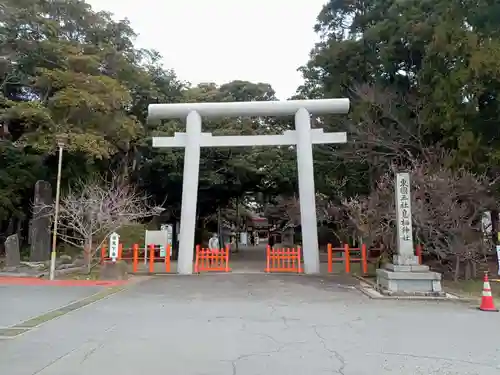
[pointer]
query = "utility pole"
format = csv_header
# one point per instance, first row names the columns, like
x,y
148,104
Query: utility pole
x,y
219,230
56,212
238,234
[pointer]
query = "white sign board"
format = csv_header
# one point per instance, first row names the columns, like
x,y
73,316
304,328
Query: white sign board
x,y
114,243
244,238
486,222
160,238
169,229
403,215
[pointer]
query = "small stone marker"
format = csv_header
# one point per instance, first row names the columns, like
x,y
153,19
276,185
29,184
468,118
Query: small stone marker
x,y
13,255
114,241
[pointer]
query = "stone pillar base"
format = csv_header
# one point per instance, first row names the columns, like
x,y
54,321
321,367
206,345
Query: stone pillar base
x,y
409,280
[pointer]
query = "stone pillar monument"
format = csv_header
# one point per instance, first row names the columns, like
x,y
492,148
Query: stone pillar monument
x,y
405,276
40,230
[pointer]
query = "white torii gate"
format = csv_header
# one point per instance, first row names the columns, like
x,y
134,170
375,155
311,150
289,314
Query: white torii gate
x,y
303,137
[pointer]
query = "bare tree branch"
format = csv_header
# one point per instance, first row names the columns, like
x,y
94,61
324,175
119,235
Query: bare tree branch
x,y
91,210
447,206
384,129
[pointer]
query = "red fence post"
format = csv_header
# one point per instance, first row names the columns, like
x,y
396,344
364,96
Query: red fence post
x,y
197,258
227,258
268,258
418,252
167,259
330,258
299,259
364,259
135,261
103,253
347,259
151,258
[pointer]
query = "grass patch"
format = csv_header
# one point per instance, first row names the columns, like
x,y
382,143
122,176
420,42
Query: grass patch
x,y
36,321
82,275
11,332
471,288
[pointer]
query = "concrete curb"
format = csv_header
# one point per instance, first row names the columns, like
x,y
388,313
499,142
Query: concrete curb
x,y
367,287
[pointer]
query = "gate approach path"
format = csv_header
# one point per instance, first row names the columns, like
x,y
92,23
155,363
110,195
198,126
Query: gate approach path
x,y
256,324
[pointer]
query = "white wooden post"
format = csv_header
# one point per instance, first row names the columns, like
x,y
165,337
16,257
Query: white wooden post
x,y
114,243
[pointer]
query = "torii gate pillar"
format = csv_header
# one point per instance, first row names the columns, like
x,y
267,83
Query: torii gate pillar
x,y
303,137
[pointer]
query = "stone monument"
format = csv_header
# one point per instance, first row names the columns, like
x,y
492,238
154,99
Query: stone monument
x,y
12,251
303,137
405,276
40,230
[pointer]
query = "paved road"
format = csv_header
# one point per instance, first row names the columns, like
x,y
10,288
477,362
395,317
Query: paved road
x,y
257,324
22,302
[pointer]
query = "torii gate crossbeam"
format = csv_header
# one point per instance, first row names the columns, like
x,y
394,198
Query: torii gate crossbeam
x,y
303,137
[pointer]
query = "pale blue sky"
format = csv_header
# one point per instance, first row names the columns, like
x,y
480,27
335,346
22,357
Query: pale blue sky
x,y
223,40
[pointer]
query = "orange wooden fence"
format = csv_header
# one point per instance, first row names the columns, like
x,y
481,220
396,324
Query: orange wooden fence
x,y
287,260
347,257
211,260
136,254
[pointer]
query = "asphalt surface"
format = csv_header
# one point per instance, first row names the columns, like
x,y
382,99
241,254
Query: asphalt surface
x,y
21,302
257,324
